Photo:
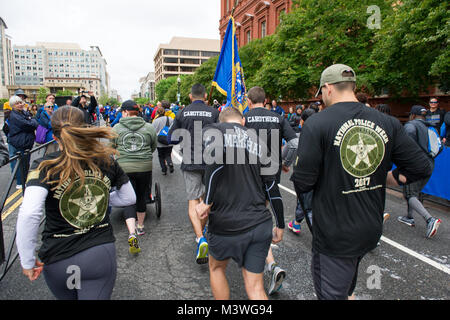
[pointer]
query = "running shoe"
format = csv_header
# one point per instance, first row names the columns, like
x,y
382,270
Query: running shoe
x,y
386,216
408,221
19,186
432,226
134,244
140,230
202,251
171,169
295,228
277,276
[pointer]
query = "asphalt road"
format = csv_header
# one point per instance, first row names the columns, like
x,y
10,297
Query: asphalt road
x,y
411,266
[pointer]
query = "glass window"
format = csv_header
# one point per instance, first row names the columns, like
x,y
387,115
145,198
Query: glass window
x,y
170,52
190,53
210,53
263,29
171,60
189,61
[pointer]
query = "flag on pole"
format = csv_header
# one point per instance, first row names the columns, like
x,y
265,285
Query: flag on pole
x,y
229,76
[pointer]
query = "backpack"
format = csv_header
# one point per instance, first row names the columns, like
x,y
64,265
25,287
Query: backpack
x,y
163,134
435,145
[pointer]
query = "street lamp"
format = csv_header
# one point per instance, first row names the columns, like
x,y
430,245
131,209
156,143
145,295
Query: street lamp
x,y
178,94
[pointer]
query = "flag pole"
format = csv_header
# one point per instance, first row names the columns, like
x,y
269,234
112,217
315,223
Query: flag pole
x,y
236,2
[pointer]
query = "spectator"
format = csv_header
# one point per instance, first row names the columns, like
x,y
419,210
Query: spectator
x,y
294,121
43,117
68,103
34,110
384,108
445,130
276,108
117,116
435,116
362,97
4,154
88,110
21,135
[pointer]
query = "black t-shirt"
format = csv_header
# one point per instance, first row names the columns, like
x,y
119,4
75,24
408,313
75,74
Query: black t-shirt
x,y
344,155
194,118
76,218
261,119
234,186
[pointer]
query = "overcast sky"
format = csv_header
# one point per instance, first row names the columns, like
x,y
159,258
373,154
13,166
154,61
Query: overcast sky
x,y
128,32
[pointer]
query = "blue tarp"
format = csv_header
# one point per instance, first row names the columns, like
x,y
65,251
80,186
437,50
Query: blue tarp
x,y
439,184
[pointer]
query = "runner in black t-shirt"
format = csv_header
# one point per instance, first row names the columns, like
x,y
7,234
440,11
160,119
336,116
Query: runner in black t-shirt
x,y
74,187
240,225
187,128
345,153
274,128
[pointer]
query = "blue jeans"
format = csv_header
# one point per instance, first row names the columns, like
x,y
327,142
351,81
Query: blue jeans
x,y
12,152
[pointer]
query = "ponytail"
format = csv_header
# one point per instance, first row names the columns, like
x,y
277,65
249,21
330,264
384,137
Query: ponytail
x,y
80,148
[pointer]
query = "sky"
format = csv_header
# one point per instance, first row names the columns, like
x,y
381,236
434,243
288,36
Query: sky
x,y
128,32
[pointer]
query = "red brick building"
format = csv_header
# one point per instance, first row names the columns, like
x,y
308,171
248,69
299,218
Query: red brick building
x,y
254,19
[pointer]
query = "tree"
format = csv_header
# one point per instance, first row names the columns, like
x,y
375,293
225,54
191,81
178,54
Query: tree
x,y
412,50
315,35
61,93
41,95
164,85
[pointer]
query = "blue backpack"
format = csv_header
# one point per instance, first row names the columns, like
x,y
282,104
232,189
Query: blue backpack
x,y
163,134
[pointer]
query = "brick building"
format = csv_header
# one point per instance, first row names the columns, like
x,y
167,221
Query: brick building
x,y
254,19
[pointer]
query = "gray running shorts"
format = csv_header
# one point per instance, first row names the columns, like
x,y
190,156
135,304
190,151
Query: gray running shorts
x,y
248,249
195,188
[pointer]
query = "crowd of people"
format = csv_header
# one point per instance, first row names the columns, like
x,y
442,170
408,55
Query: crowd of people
x,y
340,149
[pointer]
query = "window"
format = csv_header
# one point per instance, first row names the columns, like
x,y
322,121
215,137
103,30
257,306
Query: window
x,y
189,53
210,53
187,69
171,60
263,29
248,36
189,61
170,52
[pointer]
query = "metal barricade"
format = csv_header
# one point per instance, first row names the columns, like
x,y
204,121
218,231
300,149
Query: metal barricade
x,y
6,257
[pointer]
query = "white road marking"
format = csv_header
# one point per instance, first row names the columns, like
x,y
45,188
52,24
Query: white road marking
x,y
383,238
397,245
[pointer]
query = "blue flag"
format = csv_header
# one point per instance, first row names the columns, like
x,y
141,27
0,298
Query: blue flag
x,y
229,76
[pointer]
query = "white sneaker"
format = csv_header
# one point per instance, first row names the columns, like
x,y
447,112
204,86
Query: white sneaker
x,y
19,186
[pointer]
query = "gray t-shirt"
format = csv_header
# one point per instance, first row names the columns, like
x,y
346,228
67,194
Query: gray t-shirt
x,y
159,124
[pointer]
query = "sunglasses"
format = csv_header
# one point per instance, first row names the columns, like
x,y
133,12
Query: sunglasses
x,y
433,102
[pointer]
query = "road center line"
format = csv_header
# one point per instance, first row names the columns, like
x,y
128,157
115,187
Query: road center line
x,y
12,208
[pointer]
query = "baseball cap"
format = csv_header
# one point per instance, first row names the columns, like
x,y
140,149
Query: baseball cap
x,y
129,105
333,74
418,110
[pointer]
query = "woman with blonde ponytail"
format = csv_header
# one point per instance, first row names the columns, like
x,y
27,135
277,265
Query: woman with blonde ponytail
x,y
75,187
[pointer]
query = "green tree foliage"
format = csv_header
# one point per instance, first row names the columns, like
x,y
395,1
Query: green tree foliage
x,y
61,93
412,48
316,34
163,86
41,95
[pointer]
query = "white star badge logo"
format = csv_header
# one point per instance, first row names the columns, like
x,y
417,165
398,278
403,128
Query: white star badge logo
x,y
362,152
88,203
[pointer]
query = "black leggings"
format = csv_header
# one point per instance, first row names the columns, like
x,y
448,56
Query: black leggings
x,y
141,182
165,156
87,275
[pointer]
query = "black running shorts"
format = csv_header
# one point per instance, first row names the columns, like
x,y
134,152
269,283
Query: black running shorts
x,y
248,249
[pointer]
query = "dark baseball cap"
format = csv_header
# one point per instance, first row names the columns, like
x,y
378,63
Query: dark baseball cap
x,y
129,105
418,110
